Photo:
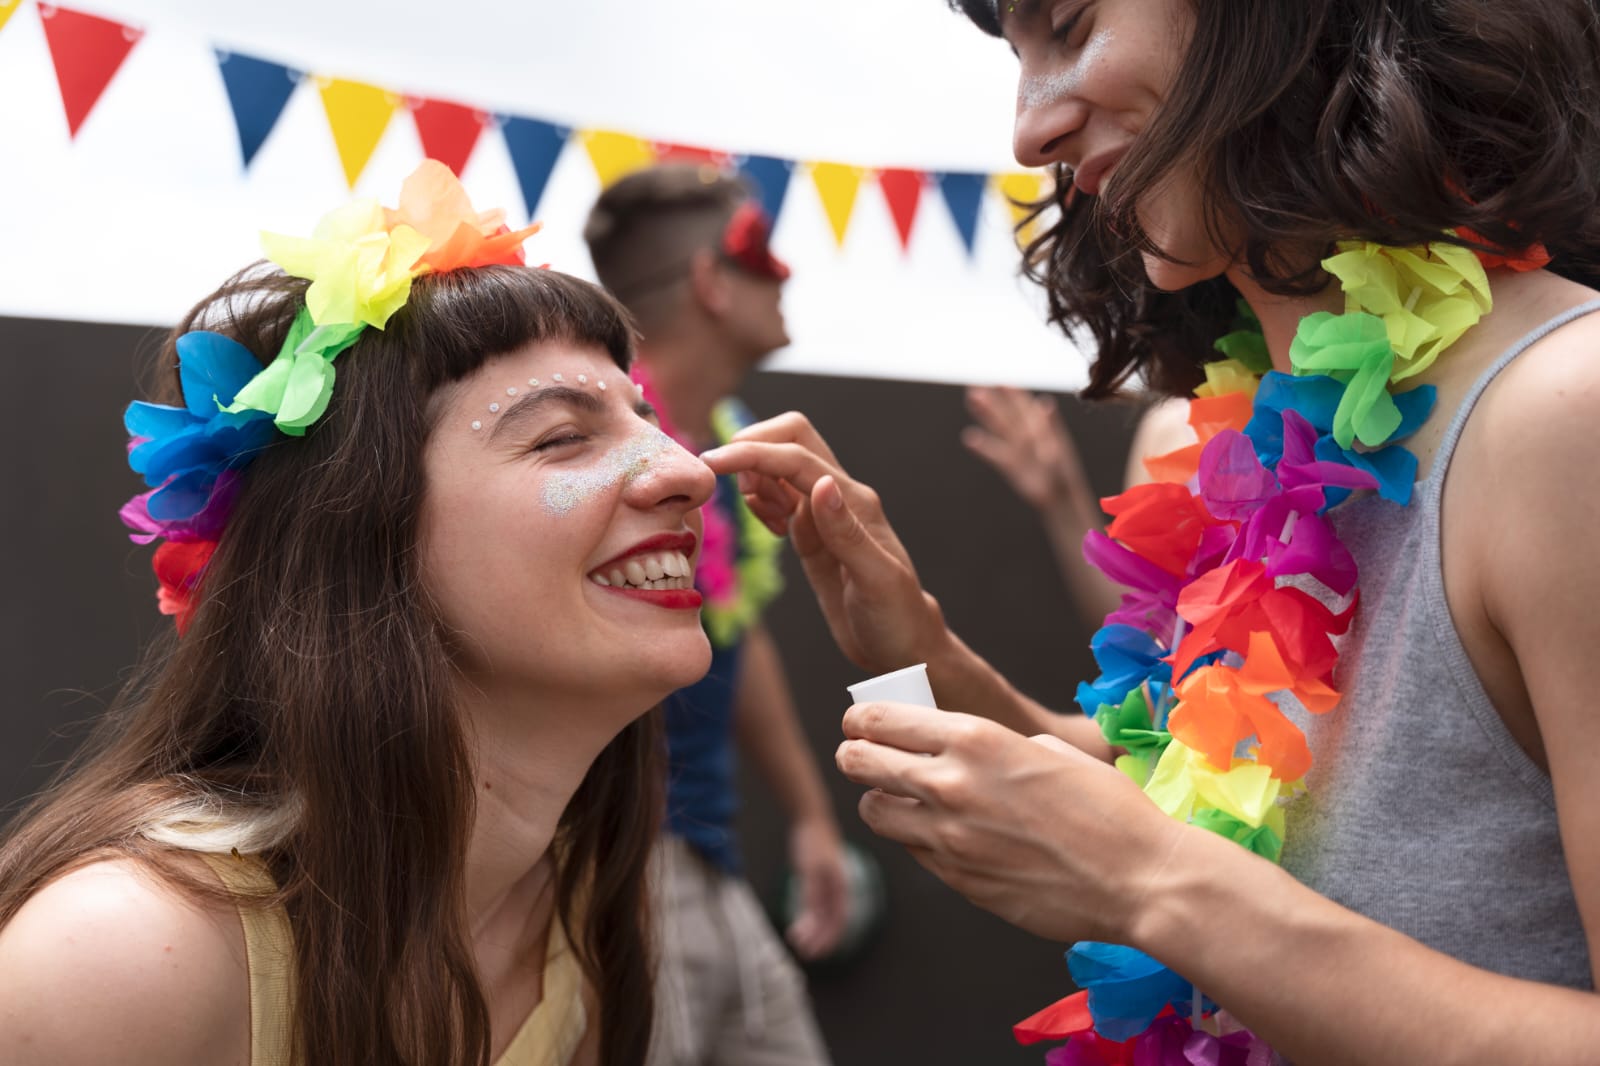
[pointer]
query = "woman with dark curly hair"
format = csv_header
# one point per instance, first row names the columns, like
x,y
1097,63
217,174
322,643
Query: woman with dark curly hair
x,y
388,793
1352,807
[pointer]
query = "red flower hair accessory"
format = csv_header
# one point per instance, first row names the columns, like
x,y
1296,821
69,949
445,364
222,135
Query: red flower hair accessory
x,y
745,241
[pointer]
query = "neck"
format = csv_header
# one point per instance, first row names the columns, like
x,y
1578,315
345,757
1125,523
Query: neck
x,y
529,762
692,375
1280,315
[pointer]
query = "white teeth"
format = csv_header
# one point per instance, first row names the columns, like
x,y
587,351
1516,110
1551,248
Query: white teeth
x,y
662,570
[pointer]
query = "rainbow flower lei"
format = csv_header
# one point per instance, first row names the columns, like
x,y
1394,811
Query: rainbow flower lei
x,y
738,573
1217,554
360,261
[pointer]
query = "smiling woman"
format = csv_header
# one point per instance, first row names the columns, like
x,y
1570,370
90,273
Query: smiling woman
x,y
354,809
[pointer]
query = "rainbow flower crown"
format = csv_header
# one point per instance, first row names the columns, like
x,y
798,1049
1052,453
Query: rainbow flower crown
x,y
360,261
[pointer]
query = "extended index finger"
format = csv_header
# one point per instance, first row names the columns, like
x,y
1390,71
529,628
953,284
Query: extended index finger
x,y
794,463
791,427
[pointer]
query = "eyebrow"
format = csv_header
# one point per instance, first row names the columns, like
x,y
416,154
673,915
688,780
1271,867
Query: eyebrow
x,y
533,403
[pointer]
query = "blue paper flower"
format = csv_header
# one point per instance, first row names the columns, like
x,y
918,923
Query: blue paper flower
x,y
180,451
1316,397
1127,988
1127,657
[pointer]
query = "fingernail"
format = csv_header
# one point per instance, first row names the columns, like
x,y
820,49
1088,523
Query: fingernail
x,y
836,501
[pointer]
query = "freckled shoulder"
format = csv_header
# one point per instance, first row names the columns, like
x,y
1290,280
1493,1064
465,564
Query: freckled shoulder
x,y
109,963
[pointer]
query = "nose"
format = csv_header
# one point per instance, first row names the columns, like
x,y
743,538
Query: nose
x,y
1049,111
672,478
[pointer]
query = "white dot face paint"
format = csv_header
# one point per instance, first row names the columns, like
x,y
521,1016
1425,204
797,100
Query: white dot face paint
x,y
557,377
1042,89
533,383
494,408
625,464
583,379
476,425
602,385
511,391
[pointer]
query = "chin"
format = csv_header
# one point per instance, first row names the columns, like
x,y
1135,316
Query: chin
x,y
1174,277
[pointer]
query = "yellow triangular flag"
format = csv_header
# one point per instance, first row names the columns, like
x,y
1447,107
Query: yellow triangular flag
x,y
7,9
1025,186
616,155
357,114
837,184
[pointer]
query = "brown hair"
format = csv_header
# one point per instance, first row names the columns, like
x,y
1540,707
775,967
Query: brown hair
x,y
643,229
1385,120
309,709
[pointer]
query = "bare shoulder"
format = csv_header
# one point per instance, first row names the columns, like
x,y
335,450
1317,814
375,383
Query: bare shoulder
x,y
109,962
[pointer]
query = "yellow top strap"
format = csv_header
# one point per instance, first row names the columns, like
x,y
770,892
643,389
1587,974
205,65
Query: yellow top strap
x,y
269,955
549,1037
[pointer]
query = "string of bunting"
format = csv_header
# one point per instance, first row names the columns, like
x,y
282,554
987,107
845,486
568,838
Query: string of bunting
x,y
88,50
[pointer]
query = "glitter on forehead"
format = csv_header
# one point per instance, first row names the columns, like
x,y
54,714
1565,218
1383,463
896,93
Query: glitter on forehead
x,y
626,463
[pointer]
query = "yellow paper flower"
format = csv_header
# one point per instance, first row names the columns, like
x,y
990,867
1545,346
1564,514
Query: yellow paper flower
x,y
1185,779
1228,375
359,268
1427,296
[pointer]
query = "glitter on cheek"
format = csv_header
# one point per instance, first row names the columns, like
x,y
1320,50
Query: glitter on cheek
x,y
624,464
1042,89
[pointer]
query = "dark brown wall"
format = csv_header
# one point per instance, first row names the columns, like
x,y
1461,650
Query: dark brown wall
x,y
943,983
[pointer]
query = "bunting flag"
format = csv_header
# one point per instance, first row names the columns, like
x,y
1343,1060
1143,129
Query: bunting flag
x,y
667,152
902,190
963,194
770,176
87,51
534,146
449,132
1021,188
616,155
837,184
258,90
357,114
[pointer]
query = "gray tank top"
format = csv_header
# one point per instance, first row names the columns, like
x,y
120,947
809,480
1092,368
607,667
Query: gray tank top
x,y
1423,812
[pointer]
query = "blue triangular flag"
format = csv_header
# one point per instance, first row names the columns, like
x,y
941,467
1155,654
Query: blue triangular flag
x,y
963,193
771,178
258,91
534,146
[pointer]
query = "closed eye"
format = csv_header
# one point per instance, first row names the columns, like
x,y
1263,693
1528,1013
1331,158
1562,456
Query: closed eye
x,y
561,439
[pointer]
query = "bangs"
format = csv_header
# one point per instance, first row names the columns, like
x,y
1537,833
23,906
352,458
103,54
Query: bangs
x,y
456,321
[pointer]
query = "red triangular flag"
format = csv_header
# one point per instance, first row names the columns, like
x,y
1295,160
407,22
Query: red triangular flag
x,y
903,190
449,132
87,51
667,152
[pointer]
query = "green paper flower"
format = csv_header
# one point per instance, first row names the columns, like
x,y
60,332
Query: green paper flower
x,y
1353,348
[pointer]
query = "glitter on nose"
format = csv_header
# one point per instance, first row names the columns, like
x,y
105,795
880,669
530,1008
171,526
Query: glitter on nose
x,y
625,464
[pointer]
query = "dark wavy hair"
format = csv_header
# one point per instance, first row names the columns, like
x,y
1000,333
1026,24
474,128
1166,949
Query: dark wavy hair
x,y
1395,121
309,710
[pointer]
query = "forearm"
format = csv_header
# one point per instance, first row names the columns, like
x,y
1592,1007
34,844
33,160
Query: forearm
x,y
963,680
1066,524
767,728
1327,987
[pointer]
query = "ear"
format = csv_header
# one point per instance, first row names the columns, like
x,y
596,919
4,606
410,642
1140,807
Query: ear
x,y
709,283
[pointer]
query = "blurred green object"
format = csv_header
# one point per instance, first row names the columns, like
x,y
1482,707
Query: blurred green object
x,y
867,909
